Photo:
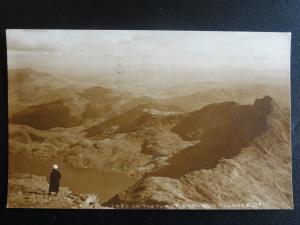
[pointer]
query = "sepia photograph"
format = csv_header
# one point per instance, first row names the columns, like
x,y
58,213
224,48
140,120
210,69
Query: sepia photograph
x,y
146,119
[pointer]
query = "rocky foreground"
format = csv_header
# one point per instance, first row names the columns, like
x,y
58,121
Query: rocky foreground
x,y
30,191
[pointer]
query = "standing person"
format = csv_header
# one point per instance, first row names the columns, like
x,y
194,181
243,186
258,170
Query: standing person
x,y
55,177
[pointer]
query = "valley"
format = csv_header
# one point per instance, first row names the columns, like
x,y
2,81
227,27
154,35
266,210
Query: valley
x,y
215,144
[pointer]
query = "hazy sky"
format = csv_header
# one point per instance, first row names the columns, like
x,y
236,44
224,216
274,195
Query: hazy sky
x,y
165,52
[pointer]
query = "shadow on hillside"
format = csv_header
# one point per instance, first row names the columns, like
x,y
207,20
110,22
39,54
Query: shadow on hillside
x,y
228,127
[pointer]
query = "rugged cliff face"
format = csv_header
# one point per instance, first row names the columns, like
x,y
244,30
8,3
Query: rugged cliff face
x,y
256,174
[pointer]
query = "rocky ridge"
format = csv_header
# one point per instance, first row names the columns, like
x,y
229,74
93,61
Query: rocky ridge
x,y
244,181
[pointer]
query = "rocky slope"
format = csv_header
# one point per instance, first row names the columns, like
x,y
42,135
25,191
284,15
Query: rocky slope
x,y
222,130
258,176
30,191
137,118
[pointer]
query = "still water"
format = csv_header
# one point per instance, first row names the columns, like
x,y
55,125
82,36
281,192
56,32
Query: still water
x,y
80,180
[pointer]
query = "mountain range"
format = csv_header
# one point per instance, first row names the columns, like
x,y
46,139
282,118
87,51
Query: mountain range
x,y
224,143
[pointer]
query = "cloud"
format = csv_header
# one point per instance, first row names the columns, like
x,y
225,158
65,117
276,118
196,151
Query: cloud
x,y
23,40
183,52
21,46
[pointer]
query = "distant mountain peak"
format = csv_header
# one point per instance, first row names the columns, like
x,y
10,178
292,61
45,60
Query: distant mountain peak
x,y
265,100
264,105
223,115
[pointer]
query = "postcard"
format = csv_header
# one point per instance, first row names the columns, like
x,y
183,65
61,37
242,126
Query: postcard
x,y
139,119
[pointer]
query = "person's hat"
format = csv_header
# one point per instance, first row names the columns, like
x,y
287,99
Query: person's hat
x,y
55,166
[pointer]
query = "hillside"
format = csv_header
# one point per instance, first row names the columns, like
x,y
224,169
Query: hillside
x,y
45,101
133,142
215,179
136,118
222,130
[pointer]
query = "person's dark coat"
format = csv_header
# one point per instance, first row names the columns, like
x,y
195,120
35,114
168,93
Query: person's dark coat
x,y
55,177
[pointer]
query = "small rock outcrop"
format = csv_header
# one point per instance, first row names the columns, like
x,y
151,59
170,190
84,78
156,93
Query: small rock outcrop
x,y
30,191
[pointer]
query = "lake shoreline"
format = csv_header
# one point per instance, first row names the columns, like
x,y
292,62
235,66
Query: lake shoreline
x,y
80,180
